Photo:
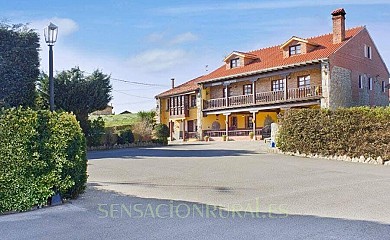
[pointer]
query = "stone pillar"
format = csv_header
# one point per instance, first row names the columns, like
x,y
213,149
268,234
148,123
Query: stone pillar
x,y
274,133
325,80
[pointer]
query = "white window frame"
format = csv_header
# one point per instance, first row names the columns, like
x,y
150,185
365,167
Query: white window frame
x,y
360,82
370,83
367,51
383,86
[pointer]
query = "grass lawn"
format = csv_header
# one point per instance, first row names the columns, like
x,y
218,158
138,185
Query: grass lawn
x,y
118,120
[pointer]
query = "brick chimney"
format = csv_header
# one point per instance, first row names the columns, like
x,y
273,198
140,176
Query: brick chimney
x,y
173,82
338,17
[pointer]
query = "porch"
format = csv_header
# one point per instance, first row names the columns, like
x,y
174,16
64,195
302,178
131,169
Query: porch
x,y
265,98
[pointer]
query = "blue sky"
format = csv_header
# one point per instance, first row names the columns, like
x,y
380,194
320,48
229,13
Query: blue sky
x,y
154,41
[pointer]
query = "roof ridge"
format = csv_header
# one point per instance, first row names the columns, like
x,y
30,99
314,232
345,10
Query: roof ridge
x,y
318,36
325,34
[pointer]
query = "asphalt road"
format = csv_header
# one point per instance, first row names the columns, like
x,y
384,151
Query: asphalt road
x,y
230,190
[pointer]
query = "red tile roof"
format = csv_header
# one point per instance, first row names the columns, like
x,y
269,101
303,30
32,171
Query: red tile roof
x,y
268,58
189,86
272,57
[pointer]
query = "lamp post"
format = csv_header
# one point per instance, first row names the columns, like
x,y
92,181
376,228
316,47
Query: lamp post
x,y
51,32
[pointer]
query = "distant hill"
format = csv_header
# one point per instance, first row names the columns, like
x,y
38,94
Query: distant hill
x,y
118,120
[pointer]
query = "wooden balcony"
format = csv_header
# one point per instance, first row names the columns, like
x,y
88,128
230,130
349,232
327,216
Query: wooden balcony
x,y
179,112
264,98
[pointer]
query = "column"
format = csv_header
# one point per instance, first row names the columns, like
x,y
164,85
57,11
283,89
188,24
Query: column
x,y
227,124
254,122
184,129
171,130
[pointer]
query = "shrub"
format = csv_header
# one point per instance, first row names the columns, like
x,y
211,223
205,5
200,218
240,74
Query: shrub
x,y
353,132
95,132
161,132
41,153
110,138
143,131
126,137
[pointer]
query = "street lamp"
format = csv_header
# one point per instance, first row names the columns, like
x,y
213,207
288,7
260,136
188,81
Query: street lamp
x,y
51,32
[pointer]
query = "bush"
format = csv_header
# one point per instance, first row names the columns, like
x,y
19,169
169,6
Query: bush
x,y
126,137
161,132
95,132
353,132
110,138
41,153
143,131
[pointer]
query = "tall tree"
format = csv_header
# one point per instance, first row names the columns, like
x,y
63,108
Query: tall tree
x,y
80,94
19,65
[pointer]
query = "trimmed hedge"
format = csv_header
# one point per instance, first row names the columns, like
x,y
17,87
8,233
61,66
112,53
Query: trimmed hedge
x,y
40,153
353,132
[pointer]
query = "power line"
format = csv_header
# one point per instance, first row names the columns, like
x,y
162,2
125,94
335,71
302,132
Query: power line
x,y
134,82
132,95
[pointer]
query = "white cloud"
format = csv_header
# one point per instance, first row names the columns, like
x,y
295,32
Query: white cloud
x,y
66,26
156,60
202,8
183,38
155,37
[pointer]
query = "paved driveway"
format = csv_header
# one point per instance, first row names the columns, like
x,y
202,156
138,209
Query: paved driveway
x,y
229,190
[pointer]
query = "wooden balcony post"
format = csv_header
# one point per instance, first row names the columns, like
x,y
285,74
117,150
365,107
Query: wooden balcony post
x,y
285,87
226,95
184,129
254,90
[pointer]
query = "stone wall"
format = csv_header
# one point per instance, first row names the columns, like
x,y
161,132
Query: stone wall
x,y
340,94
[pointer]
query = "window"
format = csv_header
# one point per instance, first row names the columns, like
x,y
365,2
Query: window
x,y
233,122
295,50
249,123
193,101
360,81
167,107
370,83
277,85
367,52
304,81
234,63
247,89
383,86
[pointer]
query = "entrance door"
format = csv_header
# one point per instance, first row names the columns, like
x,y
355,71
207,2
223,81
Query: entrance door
x,y
190,126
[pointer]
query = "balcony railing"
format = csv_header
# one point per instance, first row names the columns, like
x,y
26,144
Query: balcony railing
x,y
273,96
240,100
241,132
291,94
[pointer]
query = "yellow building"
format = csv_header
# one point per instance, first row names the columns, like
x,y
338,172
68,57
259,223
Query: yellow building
x,y
178,108
251,89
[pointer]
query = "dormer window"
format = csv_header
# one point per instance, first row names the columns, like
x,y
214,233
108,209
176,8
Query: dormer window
x,y
295,50
234,62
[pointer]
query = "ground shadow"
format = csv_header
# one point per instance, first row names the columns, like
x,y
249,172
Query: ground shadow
x,y
101,214
165,152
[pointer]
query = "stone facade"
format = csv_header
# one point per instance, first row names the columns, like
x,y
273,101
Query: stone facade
x,y
340,88
351,57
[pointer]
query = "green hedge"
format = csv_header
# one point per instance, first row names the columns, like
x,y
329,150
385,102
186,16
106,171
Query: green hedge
x,y
40,153
353,132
